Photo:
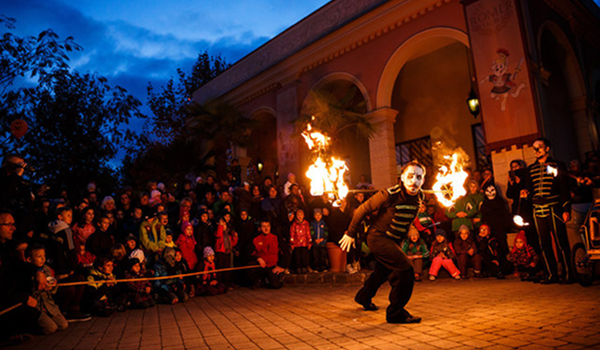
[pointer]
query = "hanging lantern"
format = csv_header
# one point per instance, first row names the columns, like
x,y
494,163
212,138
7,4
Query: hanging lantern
x,y
473,103
18,128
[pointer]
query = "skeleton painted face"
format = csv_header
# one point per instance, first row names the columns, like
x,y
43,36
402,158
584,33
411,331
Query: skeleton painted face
x,y
413,178
490,192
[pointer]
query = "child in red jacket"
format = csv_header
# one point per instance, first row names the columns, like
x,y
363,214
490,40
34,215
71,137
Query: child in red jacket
x,y
300,242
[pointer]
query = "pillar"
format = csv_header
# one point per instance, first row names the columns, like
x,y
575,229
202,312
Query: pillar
x,y
382,148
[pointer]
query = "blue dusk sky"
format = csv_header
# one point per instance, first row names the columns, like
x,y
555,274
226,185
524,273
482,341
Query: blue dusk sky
x,y
133,42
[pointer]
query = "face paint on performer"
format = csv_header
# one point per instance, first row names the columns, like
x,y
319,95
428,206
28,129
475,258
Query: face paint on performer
x,y
413,178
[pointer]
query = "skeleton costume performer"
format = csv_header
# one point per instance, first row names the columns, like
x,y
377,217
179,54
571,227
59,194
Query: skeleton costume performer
x,y
548,186
396,209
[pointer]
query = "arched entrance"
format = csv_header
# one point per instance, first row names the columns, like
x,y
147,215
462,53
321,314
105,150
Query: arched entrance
x,y
263,145
566,122
343,97
428,82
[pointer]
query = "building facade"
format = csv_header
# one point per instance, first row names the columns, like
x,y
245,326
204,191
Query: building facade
x,y
410,65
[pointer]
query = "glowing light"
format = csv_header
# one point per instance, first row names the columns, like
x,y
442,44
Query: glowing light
x,y
552,170
450,180
326,174
518,219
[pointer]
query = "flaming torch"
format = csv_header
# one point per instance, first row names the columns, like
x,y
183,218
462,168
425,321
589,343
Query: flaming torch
x,y
326,174
450,181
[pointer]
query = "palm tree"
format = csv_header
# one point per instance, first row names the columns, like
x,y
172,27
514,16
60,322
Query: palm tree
x,y
333,109
223,125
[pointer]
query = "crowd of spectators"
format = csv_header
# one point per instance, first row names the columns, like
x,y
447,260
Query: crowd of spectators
x,y
100,235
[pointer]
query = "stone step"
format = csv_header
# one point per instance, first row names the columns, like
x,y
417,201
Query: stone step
x,y
327,277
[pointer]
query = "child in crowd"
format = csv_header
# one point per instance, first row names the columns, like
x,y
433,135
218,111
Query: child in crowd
x,y
524,258
170,291
319,233
300,242
85,259
424,223
466,252
85,227
103,296
416,250
169,241
226,239
210,284
442,255
489,248
187,244
139,292
181,268
100,242
44,286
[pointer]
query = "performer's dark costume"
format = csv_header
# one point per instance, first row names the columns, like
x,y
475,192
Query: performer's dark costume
x,y
396,210
551,198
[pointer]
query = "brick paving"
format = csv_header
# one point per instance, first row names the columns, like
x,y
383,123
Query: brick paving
x,y
490,313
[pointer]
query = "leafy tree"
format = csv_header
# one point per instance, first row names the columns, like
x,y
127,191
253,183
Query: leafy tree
x,y
37,56
75,121
75,127
32,57
169,105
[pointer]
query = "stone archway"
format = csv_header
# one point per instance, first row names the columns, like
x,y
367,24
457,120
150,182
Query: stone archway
x,y
263,143
414,45
566,119
350,146
423,88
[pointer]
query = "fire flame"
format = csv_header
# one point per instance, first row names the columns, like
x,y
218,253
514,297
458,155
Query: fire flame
x,y
326,173
450,182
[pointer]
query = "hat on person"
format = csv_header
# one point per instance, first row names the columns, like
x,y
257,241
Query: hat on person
x,y
412,231
318,211
130,237
138,254
185,225
464,228
440,232
132,261
208,251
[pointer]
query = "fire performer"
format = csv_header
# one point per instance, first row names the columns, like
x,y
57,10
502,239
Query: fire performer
x,y
396,209
548,185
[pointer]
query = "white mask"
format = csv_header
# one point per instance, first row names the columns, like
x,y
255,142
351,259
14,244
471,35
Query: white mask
x,y
413,179
490,192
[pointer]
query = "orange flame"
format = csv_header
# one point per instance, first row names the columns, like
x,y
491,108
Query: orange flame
x,y
326,175
450,182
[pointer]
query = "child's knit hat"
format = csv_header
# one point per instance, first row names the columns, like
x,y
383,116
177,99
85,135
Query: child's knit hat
x,y
208,251
138,254
463,228
440,232
185,225
412,231
318,211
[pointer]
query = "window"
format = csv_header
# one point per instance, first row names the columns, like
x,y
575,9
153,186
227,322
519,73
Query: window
x,y
419,149
482,160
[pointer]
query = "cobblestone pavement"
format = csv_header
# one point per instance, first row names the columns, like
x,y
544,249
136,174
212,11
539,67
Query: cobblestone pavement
x,y
490,313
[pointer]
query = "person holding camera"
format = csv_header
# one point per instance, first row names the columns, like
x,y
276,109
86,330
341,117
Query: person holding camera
x,y
15,193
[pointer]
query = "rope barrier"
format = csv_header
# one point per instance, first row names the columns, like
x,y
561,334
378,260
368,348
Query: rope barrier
x,y
81,283
10,309
69,284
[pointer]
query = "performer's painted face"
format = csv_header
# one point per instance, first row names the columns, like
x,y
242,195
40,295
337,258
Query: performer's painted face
x,y
490,192
540,149
413,178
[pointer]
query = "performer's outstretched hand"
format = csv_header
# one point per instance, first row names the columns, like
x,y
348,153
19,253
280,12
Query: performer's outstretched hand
x,y
346,242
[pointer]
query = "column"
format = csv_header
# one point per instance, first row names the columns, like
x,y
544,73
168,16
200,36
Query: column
x,y
382,148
